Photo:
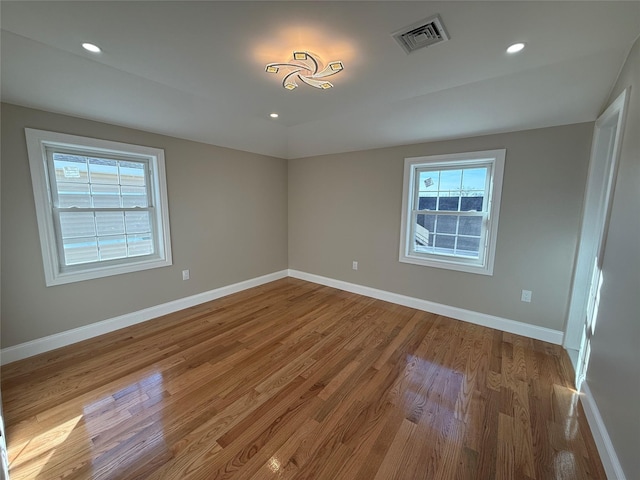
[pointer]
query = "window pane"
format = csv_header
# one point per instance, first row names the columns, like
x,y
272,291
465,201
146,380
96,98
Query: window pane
x,y
139,245
132,173
70,168
134,196
109,223
427,221
138,222
427,203
448,203
446,242
450,180
474,178
428,182
422,230
470,226
80,250
446,224
103,171
74,195
112,247
106,196
468,246
76,224
472,203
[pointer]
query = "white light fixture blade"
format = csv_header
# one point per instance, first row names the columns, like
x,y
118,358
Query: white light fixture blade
x,y
91,47
515,48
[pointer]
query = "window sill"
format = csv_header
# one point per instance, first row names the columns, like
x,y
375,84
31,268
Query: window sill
x,y
105,271
453,264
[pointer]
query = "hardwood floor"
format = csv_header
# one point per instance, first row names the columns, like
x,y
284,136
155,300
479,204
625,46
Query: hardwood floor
x,y
293,380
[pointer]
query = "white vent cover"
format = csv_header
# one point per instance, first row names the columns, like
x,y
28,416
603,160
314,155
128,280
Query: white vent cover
x,y
421,34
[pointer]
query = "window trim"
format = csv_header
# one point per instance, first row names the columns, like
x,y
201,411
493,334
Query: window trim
x,y
483,266
38,142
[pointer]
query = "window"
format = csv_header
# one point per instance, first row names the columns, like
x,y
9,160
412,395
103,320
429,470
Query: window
x,y
101,206
450,210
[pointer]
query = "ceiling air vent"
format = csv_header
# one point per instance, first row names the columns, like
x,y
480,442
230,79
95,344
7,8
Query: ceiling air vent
x,y
421,34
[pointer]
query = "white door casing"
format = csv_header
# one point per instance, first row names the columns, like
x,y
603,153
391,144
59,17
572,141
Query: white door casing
x,y
583,306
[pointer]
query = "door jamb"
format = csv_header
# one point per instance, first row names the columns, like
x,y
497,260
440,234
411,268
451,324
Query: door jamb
x,y
582,272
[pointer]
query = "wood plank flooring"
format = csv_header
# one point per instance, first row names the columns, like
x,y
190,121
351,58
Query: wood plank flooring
x,y
294,380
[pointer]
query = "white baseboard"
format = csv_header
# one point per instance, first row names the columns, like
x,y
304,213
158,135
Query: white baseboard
x,y
574,355
610,461
62,339
506,325
51,342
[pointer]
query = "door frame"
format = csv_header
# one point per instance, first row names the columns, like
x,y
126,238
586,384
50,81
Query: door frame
x,y
603,169
4,456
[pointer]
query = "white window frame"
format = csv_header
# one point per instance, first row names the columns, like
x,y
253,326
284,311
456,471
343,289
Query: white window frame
x,y
484,265
39,143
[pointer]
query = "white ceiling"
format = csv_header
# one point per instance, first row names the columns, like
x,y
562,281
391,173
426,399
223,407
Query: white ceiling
x,y
196,69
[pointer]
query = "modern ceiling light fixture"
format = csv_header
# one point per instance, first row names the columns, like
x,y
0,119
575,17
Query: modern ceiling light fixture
x,y
307,68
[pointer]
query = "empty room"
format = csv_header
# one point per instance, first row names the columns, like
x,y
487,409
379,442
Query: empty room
x,y
346,240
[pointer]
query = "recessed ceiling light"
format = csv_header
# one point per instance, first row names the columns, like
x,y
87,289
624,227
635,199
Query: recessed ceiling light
x,y
515,48
91,47
274,115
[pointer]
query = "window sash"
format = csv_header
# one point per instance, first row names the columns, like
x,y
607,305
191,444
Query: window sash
x,y
418,169
483,243
416,172
67,267
53,182
57,210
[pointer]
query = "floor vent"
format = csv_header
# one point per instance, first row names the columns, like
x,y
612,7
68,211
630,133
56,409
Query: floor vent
x,y
424,33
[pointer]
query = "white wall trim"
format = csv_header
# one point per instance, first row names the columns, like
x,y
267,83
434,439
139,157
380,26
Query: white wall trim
x,y
596,210
51,342
610,461
62,339
574,355
506,325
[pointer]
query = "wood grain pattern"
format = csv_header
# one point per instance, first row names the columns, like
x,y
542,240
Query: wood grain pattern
x,y
293,380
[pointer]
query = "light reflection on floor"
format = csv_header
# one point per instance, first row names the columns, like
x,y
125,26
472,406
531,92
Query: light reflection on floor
x,y
42,447
564,466
33,456
274,464
116,408
432,391
571,424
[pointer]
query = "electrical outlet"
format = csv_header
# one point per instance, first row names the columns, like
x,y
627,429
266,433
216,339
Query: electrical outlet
x,y
185,274
354,265
526,296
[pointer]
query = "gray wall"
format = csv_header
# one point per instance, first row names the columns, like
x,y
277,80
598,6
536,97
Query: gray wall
x,y
614,369
347,207
228,214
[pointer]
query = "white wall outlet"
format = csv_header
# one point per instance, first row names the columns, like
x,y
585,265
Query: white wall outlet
x,y
185,274
354,265
526,296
